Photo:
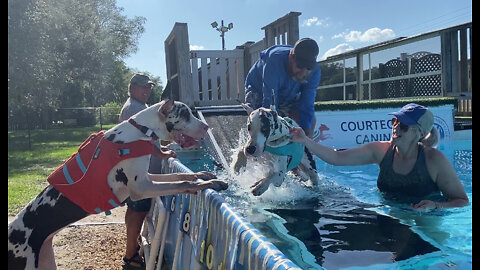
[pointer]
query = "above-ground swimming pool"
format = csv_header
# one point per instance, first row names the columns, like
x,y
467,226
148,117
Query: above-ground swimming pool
x,y
346,224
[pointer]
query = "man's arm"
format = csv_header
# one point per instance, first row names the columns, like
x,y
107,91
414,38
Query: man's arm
x,y
270,83
274,73
306,110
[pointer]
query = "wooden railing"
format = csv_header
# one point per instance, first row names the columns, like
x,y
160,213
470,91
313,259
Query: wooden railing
x,y
402,68
217,77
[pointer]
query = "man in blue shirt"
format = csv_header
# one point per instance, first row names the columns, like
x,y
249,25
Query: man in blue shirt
x,y
291,75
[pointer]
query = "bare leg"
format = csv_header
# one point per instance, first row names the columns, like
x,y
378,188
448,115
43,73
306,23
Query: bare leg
x,y
134,222
46,258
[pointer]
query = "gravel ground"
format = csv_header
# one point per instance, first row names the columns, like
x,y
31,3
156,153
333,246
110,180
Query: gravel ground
x,y
89,247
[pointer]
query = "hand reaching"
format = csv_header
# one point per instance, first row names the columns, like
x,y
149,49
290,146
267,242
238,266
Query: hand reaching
x,y
298,134
164,153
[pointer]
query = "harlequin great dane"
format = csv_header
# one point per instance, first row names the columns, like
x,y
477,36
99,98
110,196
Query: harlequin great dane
x,y
31,233
269,137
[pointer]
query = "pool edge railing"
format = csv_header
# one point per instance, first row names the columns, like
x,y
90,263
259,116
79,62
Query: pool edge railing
x,y
202,231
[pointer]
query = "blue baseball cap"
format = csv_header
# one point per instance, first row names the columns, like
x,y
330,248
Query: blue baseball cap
x,y
413,114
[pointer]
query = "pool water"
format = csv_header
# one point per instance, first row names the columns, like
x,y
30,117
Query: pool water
x,y
346,224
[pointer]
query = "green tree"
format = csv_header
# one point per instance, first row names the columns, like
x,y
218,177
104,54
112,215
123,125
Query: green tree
x,y
66,53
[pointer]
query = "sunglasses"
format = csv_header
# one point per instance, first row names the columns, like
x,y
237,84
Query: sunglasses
x,y
296,64
146,86
403,127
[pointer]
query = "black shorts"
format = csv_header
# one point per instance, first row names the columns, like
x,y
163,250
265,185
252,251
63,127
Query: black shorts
x,y
140,205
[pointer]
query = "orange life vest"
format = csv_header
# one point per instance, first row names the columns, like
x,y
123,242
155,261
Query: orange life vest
x,y
83,177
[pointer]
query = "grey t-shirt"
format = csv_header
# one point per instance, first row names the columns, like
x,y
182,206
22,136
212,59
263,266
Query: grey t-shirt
x,y
131,107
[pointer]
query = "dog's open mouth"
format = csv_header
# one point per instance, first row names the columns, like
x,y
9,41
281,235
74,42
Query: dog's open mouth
x,y
185,141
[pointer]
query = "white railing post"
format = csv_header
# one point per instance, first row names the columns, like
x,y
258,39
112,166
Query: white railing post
x,y
157,232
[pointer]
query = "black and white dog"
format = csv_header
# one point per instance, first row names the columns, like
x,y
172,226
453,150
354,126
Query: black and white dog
x,y
31,233
269,138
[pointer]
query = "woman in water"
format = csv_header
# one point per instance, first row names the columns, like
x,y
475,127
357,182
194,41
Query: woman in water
x,y
409,164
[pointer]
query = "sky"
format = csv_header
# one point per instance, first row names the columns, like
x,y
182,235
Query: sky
x,y
336,25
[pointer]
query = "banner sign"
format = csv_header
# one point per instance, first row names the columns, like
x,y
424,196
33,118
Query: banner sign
x,y
347,129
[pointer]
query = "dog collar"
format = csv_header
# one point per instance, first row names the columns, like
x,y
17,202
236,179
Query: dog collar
x,y
145,130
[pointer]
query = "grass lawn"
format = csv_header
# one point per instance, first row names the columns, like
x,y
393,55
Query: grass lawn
x,y
29,169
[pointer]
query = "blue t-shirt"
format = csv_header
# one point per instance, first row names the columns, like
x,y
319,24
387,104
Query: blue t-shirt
x,y
270,73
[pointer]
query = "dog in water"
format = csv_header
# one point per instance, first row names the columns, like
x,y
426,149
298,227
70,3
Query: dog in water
x,y
269,138
118,160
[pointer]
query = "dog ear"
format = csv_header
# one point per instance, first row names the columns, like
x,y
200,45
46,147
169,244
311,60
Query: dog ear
x,y
272,104
247,108
274,113
167,92
166,107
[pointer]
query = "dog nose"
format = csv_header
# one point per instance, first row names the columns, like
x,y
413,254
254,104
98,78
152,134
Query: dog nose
x,y
205,127
251,149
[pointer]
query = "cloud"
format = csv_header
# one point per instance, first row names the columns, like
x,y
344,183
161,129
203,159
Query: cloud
x,y
314,21
338,36
196,47
340,48
371,35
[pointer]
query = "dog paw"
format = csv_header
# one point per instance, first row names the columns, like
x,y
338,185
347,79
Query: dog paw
x,y
278,181
259,187
237,168
240,162
204,175
315,180
218,185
